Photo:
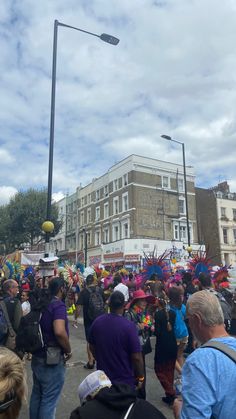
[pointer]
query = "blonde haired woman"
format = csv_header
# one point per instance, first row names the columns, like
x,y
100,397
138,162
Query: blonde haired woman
x,y
12,384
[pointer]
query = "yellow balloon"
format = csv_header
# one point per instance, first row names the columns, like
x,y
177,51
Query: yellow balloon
x,y
47,226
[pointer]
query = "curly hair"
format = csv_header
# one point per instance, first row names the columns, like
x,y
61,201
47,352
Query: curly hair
x,y
12,383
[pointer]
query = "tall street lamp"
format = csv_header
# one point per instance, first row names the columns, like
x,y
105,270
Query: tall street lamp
x,y
167,137
104,37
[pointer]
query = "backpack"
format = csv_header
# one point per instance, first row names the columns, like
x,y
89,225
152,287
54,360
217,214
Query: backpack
x,y
29,335
96,303
3,325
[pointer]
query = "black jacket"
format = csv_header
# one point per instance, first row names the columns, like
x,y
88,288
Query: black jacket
x,y
113,403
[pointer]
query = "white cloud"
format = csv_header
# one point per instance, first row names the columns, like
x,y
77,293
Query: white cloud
x,y
172,72
6,192
5,157
58,196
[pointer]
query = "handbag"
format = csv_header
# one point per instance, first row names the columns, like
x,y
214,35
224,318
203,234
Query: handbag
x,y
146,344
53,355
11,337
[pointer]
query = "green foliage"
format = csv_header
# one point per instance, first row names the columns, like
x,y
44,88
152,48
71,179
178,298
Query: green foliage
x,y
22,218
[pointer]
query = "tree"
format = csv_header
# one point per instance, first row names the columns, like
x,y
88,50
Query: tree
x,y
24,216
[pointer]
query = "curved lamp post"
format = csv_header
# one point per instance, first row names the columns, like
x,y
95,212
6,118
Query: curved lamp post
x,y
104,37
168,138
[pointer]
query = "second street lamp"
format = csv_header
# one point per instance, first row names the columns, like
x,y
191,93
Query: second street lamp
x,y
104,37
168,138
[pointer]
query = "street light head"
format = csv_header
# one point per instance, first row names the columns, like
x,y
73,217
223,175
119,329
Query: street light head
x,y
166,137
109,39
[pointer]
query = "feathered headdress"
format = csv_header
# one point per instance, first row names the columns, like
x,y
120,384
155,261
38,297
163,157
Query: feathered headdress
x,y
154,265
220,277
200,263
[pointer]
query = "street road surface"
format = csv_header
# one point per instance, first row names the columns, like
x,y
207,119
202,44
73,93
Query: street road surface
x,y
76,373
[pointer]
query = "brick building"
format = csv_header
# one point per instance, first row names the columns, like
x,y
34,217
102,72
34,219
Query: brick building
x,y
137,198
216,210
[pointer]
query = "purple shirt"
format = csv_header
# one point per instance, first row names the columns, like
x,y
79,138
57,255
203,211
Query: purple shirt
x,y
55,311
115,339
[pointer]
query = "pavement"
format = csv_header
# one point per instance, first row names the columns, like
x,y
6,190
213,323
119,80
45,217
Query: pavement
x,y
76,373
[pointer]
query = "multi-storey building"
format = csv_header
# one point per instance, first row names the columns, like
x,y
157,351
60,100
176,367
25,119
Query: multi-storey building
x,y
216,209
137,199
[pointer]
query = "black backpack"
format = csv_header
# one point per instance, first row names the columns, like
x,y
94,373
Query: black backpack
x,y
29,335
96,303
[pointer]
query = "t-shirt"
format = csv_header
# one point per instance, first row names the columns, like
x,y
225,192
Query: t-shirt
x,y
124,289
56,310
115,339
209,383
83,300
166,346
181,330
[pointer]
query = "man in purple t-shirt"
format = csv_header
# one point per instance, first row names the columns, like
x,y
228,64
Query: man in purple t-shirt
x,y
48,364
115,345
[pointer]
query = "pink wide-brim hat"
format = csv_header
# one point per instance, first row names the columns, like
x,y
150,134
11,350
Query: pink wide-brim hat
x,y
140,295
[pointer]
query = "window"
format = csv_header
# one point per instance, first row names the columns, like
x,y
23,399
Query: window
x,y
223,212
88,238
234,235
125,180
106,191
180,231
106,210
176,232
116,205
106,235
234,214
89,215
180,185
183,233
97,238
82,201
116,185
181,206
82,241
97,213
165,182
82,218
97,195
125,231
225,235
125,205
89,198
116,235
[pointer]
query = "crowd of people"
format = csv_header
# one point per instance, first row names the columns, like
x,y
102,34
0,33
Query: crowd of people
x,y
122,316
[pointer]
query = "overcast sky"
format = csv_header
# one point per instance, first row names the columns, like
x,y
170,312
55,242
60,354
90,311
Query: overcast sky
x,y
173,72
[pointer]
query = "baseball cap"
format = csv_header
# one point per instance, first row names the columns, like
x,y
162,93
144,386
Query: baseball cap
x,y
92,384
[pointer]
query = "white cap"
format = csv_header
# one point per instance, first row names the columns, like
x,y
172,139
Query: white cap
x,y
92,384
